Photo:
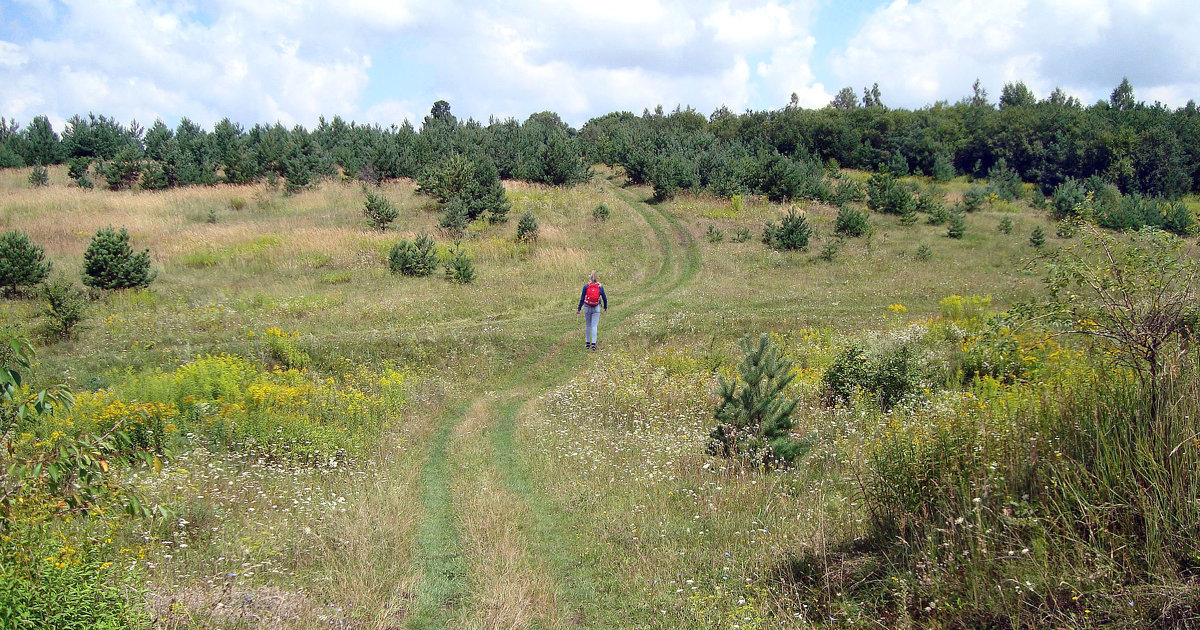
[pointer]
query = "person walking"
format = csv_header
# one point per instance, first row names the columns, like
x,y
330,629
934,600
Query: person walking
x,y
590,301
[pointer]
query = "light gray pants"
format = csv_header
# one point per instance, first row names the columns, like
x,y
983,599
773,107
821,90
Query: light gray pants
x,y
591,319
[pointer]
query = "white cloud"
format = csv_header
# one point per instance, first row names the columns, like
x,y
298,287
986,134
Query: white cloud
x,y
929,50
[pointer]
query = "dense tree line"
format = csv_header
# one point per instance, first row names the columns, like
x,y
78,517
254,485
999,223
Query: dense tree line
x,y
1141,149
101,150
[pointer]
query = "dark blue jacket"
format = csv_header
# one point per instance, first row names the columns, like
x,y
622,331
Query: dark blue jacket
x,y
583,294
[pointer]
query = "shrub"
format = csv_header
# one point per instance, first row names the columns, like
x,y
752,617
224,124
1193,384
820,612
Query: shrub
x,y
740,235
792,232
909,218
379,211
1003,181
22,263
1066,228
957,226
851,222
889,376
888,195
39,177
413,258
830,249
924,252
65,305
1070,199
753,415
109,262
939,216
848,191
974,198
943,169
1038,237
527,227
1006,226
459,268
714,235
77,167
455,216
601,212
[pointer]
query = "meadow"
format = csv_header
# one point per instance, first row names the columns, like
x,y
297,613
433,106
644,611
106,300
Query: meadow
x,y
345,447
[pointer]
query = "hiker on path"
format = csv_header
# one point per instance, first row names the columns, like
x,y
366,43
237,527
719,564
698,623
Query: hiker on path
x,y
590,301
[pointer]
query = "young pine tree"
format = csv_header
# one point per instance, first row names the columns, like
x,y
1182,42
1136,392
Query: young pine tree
x,y
109,262
527,228
379,211
753,414
22,263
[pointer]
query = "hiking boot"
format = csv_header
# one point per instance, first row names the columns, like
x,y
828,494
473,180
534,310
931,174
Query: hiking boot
x,y
593,347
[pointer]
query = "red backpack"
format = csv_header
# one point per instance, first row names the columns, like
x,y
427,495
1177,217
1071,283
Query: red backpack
x,y
592,296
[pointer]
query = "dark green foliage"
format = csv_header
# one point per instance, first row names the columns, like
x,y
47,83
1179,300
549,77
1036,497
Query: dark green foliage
x,y
601,212
791,233
455,216
527,227
889,376
957,226
64,305
740,235
909,218
413,258
110,263
1003,181
924,252
1006,226
887,195
459,268
379,211
121,172
851,222
77,167
939,216
474,183
943,169
849,190
753,414
974,198
22,262
1069,200
1038,237
38,177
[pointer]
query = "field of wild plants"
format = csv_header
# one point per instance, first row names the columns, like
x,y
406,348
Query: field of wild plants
x,y
968,429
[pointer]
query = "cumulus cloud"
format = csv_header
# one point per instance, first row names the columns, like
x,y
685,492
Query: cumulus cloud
x,y
920,52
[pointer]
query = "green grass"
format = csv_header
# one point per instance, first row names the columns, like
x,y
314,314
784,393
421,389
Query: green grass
x,y
521,482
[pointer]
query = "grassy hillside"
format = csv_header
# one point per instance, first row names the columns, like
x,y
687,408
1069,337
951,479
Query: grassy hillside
x,y
352,448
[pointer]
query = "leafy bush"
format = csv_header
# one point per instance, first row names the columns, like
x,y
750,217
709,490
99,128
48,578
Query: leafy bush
x,y
413,258
22,263
601,212
1066,228
379,211
957,226
459,268
65,305
888,195
792,232
109,262
527,227
888,376
753,415
851,222
38,177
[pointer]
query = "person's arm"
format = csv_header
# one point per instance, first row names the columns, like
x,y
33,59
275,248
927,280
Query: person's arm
x,y
603,298
581,294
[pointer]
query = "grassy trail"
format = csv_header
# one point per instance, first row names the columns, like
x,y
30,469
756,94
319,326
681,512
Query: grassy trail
x,y
493,548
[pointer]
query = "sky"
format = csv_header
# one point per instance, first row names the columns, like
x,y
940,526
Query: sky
x,y
386,61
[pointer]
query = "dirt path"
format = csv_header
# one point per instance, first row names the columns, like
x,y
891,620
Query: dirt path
x,y
493,549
